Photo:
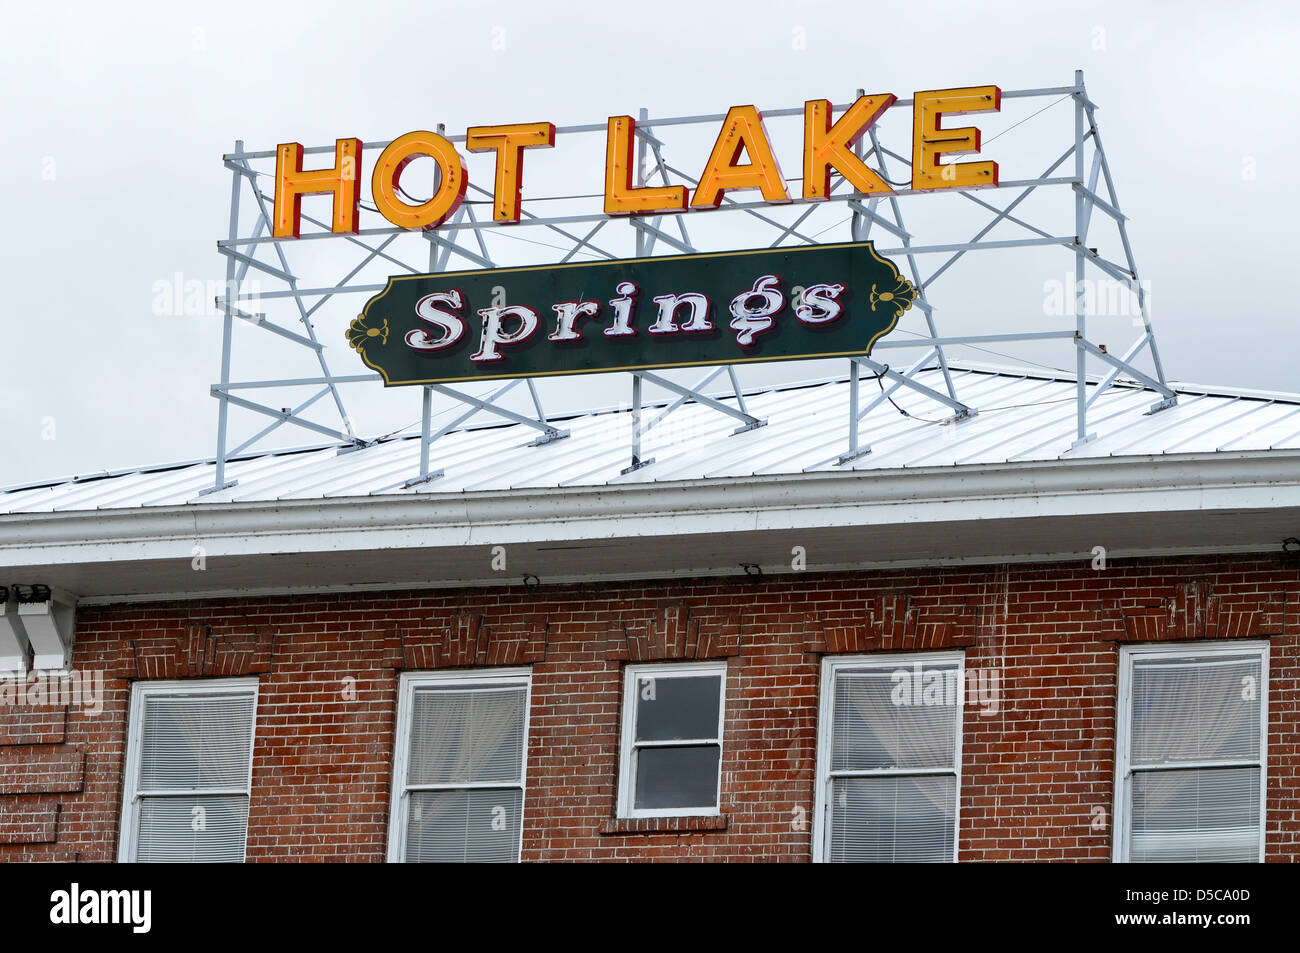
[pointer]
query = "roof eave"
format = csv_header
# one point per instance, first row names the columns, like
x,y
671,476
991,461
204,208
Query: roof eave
x,y
1245,501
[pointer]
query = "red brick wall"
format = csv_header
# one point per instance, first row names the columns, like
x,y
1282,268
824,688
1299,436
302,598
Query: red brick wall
x,y
1037,777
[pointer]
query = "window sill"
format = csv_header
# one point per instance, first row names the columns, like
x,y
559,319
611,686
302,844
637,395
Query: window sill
x,y
665,825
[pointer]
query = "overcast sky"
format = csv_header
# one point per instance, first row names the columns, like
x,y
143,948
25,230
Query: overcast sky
x,y
117,115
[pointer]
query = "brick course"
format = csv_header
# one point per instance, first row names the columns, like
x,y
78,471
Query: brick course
x,y
1037,775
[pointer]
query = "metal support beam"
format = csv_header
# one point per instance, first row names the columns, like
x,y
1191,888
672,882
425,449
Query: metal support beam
x,y
886,393
748,421
923,341
1124,239
260,321
426,416
885,370
1113,376
276,423
549,433
922,301
681,399
637,462
227,330
855,451
1127,368
735,387
1082,435
306,320
288,418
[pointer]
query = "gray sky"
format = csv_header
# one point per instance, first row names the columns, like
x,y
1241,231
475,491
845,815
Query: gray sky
x,y
116,117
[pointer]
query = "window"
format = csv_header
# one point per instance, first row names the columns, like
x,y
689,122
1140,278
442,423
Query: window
x,y
671,757
458,773
888,758
189,766
1191,729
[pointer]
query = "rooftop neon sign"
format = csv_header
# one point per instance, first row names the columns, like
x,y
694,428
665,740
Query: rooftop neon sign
x,y
828,146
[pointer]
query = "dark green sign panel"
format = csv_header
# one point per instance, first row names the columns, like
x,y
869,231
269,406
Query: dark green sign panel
x,y
637,314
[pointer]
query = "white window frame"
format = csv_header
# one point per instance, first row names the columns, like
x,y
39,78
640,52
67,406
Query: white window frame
x,y
129,833
627,766
408,683
831,665
1128,654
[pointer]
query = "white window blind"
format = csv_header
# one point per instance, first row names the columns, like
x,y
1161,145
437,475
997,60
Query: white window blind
x,y
1192,753
189,771
671,758
462,742
889,756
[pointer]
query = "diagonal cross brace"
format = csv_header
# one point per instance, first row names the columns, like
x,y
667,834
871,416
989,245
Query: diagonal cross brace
x,y
885,370
749,420
1114,361
548,431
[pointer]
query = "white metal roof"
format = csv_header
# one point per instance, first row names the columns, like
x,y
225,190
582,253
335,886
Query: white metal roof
x,y
1021,418
1218,473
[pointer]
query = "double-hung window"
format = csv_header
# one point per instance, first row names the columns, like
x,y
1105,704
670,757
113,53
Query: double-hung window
x,y
671,757
889,758
1191,754
189,768
459,766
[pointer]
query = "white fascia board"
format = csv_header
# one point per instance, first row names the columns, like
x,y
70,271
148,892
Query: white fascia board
x,y
1218,482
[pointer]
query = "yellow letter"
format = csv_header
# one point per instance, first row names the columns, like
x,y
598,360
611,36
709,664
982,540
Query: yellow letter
x,y
451,185
509,143
292,183
930,141
741,130
620,197
826,146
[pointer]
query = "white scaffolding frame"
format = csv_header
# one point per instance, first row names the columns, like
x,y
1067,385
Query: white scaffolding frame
x,y
258,251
